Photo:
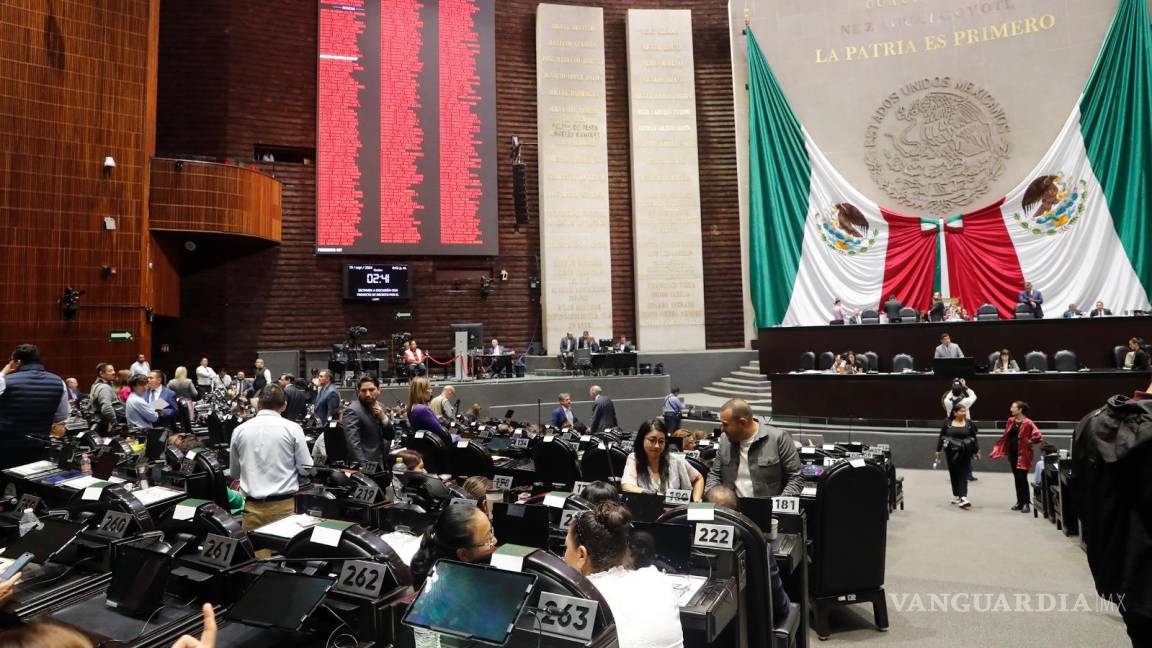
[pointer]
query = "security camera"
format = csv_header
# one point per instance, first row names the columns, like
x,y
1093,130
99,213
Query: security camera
x,y
109,164
503,275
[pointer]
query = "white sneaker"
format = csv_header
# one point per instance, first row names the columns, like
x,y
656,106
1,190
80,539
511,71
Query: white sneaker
x,y
955,501
964,503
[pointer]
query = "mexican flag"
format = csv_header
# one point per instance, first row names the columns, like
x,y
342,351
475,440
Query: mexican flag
x,y
1079,226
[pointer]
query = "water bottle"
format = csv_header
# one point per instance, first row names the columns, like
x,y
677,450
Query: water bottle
x,y
28,521
398,469
935,462
85,464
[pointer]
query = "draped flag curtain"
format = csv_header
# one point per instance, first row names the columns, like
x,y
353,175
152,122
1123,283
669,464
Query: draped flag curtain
x,y
1079,226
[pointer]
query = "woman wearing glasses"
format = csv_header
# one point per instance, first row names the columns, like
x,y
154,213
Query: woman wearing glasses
x,y
462,532
652,469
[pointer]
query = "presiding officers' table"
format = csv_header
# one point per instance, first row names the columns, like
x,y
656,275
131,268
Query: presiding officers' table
x,y
1091,338
1052,396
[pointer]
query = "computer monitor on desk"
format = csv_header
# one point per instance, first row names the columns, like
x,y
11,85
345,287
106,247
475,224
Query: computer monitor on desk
x,y
954,367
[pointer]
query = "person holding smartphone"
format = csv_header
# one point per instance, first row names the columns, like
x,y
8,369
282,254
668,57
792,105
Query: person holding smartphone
x,y
32,401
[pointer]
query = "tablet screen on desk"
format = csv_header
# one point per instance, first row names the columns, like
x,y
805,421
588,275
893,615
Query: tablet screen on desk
x,y
45,541
471,601
280,600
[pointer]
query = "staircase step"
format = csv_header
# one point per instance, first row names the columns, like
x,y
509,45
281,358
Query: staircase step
x,y
749,375
735,386
744,380
735,393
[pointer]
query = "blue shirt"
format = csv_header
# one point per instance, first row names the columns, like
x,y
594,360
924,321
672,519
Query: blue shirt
x,y
672,405
139,413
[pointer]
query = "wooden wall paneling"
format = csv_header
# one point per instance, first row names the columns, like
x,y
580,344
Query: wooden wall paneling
x,y
260,88
193,196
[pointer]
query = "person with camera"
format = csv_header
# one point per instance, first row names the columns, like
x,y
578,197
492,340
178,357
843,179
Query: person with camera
x,y
958,441
960,394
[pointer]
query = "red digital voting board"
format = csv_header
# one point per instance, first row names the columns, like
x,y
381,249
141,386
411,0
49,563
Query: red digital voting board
x,y
406,128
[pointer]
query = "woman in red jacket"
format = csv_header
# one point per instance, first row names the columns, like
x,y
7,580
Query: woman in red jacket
x,y
1020,434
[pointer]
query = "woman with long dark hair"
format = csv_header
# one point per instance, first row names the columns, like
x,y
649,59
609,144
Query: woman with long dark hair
x,y
1020,434
651,468
958,440
461,533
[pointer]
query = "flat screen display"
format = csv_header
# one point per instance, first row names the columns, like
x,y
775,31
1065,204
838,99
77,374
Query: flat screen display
x,y
406,127
280,600
376,282
471,601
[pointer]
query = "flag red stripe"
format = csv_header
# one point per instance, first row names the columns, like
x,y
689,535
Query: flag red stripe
x,y
910,262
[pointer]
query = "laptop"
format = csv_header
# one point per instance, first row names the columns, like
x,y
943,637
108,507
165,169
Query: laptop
x,y
645,507
45,541
280,600
672,544
528,525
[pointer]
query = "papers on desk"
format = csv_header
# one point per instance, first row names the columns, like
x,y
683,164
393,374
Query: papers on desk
x,y
32,468
685,586
150,496
808,491
80,483
288,527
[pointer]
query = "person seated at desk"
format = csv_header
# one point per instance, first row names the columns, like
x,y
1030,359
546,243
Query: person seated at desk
x,y
847,363
1137,357
420,416
563,417
414,358
461,533
1033,298
623,345
599,491
956,313
413,461
651,468
501,363
1072,312
643,601
1100,311
1005,363
586,341
568,351
946,349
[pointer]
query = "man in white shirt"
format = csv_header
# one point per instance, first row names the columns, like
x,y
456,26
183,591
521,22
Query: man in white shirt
x,y
205,377
754,458
139,413
268,454
140,367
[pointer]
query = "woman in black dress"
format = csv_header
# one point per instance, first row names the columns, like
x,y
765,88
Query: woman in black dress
x,y
958,441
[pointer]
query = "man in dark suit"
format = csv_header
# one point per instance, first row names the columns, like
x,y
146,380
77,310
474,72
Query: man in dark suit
x,y
73,387
588,342
624,346
297,399
603,411
892,308
568,351
157,391
1033,298
366,428
563,416
936,312
327,398
1100,311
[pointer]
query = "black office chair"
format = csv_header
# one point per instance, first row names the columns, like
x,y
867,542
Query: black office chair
x,y
358,543
556,577
1067,361
807,361
603,462
763,630
986,313
873,361
902,362
556,463
335,443
469,459
1023,311
826,360
1036,361
870,316
1120,351
584,360
908,315
431,448
849,531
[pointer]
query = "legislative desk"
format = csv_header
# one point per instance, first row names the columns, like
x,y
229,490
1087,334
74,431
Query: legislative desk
x,y
1090,338
1051,396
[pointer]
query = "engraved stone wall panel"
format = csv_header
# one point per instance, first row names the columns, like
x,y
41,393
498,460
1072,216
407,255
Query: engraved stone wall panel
x,y
667,252
575,243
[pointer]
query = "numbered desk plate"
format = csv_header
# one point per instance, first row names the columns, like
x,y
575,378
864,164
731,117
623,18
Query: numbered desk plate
x,y
364,493
361,577
786,505
115,524
714,536
568,616
219,550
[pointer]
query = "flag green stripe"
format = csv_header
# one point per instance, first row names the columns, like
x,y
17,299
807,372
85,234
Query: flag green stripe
x,y
779,177
1116,122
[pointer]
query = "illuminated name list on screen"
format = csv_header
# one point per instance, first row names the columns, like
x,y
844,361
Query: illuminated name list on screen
x,y
406,128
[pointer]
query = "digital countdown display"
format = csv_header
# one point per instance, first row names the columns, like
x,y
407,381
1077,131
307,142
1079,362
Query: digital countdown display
x,y
367,282
406,128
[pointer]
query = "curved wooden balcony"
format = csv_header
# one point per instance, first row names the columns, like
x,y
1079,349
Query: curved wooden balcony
x,y
206,197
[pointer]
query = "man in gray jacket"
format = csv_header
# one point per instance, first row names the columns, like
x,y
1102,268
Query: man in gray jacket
x,y
754,458
102,397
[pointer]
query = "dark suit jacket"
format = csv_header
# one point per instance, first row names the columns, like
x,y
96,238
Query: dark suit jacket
x,y
558,418
1038,297
297,403
567,344
627,347
892,309
1096,313
603,414
168,414
368,438
591,344
936,314
327,403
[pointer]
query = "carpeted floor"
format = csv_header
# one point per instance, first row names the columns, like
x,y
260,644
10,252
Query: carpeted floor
x,y
936,552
